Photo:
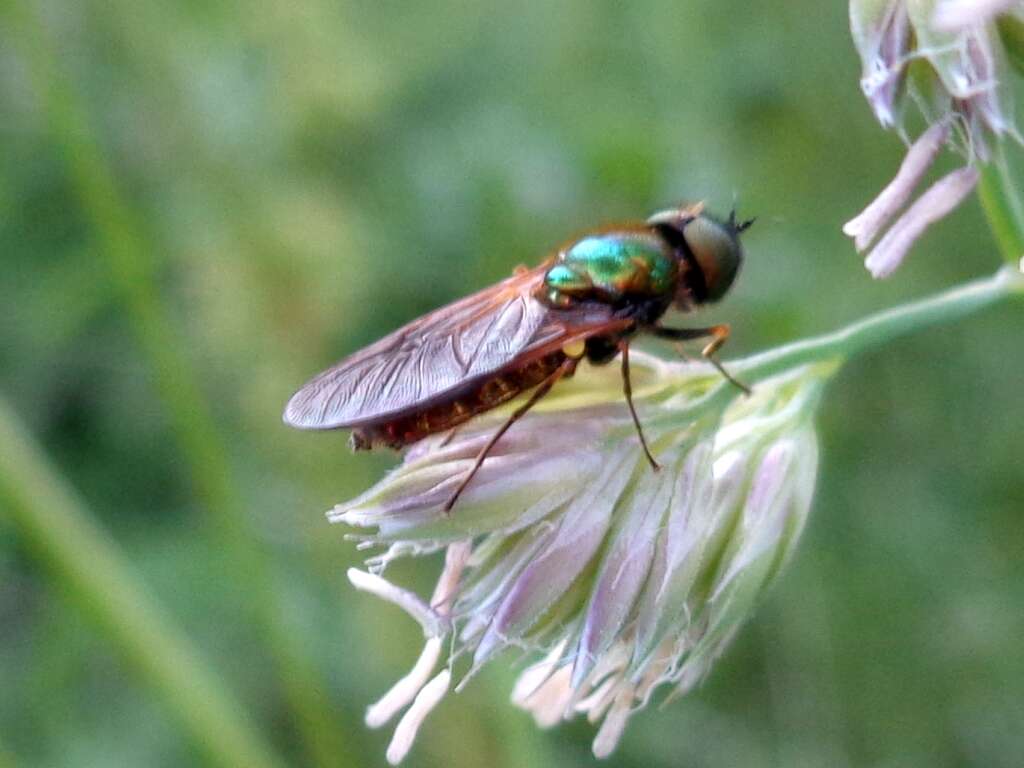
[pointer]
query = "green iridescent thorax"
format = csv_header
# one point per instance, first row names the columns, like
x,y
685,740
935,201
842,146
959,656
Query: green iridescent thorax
x,y
613,266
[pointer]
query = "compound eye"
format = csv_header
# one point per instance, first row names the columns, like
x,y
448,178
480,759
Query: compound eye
x,y
718,253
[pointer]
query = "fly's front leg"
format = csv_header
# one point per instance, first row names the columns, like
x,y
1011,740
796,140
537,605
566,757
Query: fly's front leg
x,y
718,334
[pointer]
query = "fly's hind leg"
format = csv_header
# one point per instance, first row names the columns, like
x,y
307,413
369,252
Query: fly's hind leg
x,y
718,334
449,437
566,368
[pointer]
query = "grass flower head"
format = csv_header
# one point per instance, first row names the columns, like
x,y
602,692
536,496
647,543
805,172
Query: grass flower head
x,y
568,547
949,60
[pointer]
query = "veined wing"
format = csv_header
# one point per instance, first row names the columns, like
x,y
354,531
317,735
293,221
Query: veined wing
x,y
431,356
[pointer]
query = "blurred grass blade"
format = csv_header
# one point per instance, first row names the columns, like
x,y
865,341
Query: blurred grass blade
x,y
6,758
132,271
1001,202
60,532
131,267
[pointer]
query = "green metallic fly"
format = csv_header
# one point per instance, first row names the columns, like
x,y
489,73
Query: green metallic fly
x,y
587,301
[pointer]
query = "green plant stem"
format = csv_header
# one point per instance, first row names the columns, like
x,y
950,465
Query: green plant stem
x,y
1002,205
871,332
54,524
832,349
132,271
881,328
884,327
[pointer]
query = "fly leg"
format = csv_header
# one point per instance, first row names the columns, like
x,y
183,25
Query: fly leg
x,y
449,437
718,334
627,388
566,368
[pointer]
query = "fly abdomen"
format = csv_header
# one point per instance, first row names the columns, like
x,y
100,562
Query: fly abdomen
x,y
463,405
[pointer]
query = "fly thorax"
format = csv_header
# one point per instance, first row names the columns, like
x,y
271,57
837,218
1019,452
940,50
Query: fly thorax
x,y
565,283
613,267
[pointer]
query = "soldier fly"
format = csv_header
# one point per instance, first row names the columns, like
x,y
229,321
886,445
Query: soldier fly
x,y
587,301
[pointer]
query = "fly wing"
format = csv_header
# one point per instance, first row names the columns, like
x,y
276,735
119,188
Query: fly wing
x,y
429,357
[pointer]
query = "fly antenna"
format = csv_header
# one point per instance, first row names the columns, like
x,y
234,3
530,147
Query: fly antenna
x,y
738,227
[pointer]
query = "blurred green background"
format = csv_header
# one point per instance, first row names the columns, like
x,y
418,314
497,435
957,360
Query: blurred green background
x,y
204,203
